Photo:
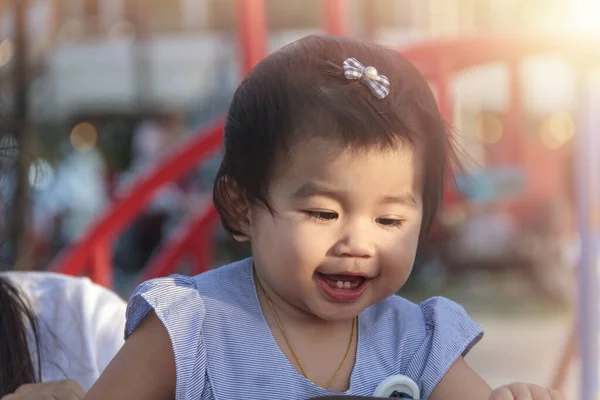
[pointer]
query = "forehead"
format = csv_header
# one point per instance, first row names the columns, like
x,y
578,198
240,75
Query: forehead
x,y
364,169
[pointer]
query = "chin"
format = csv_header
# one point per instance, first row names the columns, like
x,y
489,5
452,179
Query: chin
x,y
338,317
336,312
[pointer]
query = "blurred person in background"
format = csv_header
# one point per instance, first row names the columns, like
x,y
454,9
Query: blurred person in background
x,y
152,139
56,328
75,198
57,333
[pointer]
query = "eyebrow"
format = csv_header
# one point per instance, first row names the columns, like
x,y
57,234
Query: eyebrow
x,y
405,199
312,189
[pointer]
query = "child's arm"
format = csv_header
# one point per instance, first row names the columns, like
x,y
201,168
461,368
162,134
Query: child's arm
x,y
143,369
461,382
525,391
55,390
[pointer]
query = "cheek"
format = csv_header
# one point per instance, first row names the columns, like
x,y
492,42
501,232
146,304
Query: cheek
x,y
399,254
308,238
288,239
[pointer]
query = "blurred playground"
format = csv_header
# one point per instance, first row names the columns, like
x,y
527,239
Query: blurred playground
x,y
121,104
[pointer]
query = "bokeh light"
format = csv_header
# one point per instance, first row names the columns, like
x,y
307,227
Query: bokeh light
x,y
489,128
585,15
6,52
557,130
84,137
122,30
70,31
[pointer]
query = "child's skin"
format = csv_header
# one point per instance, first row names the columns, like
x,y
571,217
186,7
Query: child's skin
x,y
55,390
335,211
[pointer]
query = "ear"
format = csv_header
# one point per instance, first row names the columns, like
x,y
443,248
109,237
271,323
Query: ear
x,y
235,209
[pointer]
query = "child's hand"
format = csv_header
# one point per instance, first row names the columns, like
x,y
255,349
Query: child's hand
x,y
56,390
525,391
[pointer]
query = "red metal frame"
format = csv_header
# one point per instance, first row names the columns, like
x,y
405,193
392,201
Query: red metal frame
x,y
462,53
468,52
94,248
252,32
192,238
336,17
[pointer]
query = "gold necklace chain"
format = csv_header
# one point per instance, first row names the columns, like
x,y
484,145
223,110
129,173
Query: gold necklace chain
x,y
291,347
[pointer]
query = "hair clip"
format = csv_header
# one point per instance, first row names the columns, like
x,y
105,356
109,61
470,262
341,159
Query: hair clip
x,y
378,84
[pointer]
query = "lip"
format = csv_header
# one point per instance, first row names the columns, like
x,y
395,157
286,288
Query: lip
x,y
342,294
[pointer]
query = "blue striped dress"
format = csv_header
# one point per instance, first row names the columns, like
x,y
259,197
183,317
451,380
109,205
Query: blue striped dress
x,y
224,348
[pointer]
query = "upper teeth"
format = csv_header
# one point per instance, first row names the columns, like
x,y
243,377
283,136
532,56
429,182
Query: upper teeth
x,y
341,284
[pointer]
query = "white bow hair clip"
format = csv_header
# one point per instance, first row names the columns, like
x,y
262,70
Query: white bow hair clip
x,y
378,84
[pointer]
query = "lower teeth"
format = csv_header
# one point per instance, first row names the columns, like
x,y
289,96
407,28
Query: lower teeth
x,y
340,284
344,285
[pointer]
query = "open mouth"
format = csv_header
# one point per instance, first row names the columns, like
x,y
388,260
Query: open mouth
x,y
342,287
343,281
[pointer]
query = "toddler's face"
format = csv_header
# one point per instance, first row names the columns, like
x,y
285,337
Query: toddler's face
x,y
345,227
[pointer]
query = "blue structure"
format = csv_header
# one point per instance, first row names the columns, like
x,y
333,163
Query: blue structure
x,y
588,189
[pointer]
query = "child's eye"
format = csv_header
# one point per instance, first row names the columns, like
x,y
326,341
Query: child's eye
x,y
389,222
322,215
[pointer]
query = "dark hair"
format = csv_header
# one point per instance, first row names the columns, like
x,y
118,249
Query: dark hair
x,y
300,92
16,364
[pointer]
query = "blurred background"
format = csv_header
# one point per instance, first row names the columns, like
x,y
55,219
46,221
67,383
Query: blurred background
x,y
115,108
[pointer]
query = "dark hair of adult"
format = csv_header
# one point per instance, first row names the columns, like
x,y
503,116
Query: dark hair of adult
x,y
18,330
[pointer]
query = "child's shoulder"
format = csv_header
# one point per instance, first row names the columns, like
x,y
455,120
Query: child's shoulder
x,y
404,306
414,317
233,274
179,297
425,338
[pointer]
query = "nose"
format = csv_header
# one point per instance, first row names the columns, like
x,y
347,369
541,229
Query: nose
x,y
355,242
